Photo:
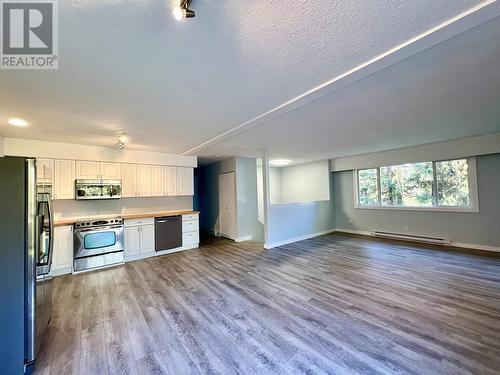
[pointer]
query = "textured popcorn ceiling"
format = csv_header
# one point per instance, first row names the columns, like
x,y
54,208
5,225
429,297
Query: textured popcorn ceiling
x,y
128,65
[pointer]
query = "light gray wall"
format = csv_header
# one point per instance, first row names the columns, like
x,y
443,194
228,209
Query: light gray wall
x,y
288,222
482,228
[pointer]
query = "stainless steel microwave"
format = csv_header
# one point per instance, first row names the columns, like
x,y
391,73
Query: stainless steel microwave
x,y
98,189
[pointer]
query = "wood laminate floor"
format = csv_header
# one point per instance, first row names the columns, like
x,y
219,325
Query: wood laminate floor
x,y
335,304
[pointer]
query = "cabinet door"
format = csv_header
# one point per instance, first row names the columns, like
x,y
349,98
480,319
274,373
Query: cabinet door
x,y
110,171
129,180
62,259
132,242
147,234
64,179
185,181
170,181
87,170
157,180
144,180
44,170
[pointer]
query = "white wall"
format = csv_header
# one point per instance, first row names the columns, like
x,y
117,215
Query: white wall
x,y
305,183
473,146
275,185
56,150
70,208
300,183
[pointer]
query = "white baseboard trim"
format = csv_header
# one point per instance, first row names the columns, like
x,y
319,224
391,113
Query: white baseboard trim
x,y
296,239
476,246
243,239
452,244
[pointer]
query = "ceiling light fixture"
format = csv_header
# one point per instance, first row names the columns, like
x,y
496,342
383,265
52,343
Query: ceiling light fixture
x,y
182,10
122,139
17,122
280,162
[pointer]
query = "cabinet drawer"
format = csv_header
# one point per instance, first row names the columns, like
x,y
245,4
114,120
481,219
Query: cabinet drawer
x,y
190,217
136,222
190,238
189,226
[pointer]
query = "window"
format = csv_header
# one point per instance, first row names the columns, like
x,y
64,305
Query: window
x,y
368,187
407,185
452,183
439,185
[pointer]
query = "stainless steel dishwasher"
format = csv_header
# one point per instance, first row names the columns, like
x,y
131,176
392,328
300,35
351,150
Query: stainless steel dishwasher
x,y
168,232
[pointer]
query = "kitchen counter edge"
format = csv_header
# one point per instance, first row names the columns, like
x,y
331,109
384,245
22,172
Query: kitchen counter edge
x,y
135,215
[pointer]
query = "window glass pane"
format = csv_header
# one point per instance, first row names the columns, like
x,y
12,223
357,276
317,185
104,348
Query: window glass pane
x,y
101,239
452,183
368,187
407,185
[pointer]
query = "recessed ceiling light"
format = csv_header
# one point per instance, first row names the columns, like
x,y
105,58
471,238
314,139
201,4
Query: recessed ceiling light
x,y
279,162
17,122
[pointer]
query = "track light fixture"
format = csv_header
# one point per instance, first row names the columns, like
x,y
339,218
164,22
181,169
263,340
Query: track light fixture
x,y
182,10
122,139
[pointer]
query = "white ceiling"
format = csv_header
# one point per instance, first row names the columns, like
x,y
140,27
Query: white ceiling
x,y
449,91
128,65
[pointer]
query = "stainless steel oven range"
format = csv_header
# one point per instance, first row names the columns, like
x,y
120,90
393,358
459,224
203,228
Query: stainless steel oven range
x,y
98,243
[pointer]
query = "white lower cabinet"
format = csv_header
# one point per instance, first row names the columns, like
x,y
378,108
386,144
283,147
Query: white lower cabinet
x,y
62,259
190,230
139,239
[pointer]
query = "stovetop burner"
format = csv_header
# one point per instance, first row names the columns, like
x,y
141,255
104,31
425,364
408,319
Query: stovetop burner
x,y
89,223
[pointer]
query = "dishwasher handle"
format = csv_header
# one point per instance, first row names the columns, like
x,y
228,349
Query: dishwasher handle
x,y
167,219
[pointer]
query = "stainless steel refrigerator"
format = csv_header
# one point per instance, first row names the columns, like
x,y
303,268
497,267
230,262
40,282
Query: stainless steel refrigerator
x,y
26,243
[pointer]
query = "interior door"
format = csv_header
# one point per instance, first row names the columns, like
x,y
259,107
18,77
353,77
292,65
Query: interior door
x,y
227,205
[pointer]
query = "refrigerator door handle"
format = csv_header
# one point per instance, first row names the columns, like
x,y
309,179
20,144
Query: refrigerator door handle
x,y
51,231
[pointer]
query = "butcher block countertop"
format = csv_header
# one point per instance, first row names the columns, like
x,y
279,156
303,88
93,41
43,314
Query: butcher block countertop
x,y
131,215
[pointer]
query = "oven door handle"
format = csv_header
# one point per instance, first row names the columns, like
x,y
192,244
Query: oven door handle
x,y
98,229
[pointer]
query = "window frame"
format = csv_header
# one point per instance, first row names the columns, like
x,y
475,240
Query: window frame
x,y
473,192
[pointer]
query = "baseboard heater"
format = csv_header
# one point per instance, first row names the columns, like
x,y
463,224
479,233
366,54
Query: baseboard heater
x,y
411,237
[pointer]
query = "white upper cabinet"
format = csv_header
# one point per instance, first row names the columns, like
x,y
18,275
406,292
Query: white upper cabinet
x,y
91,170
170,181
138,180
143,180
110,171
64,179
129,180
157,180
44,170
88,170
185,181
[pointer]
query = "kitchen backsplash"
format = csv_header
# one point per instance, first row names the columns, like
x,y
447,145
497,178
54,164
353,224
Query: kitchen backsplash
x,y
73,208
